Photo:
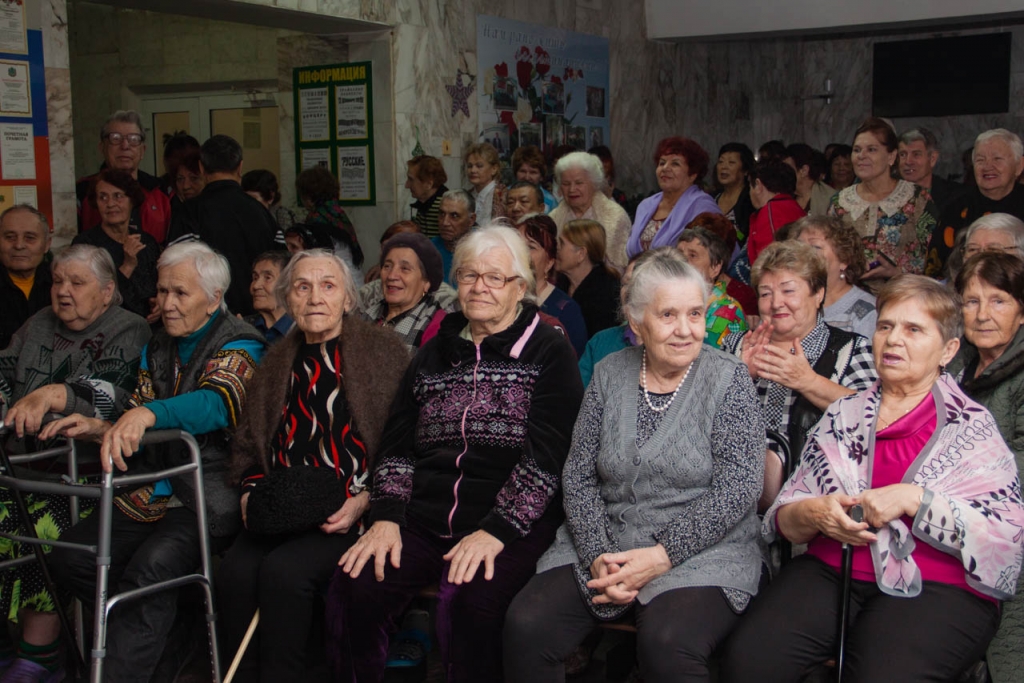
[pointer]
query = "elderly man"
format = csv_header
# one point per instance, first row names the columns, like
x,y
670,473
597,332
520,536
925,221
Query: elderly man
x,y
524,199
918,155
227,219
454,221
24,278
123,144
998,162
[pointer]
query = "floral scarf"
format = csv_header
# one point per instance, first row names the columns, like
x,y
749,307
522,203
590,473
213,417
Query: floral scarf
x,y
971,507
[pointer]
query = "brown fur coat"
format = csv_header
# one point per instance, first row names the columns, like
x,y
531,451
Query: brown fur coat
x,y
373,363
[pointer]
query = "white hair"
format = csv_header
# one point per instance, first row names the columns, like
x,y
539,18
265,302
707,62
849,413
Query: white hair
x,y
1012,139
285,279
665,266
581,161
496,235
99,261
123,116
214,273
1000,222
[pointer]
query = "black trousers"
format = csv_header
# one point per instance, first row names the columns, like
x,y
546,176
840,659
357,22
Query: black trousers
x,y
676,632
791,628
285,577
141,555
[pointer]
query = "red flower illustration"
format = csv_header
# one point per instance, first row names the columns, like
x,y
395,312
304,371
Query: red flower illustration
x,y
543,60
556,79
524,70
501,70
569,74
506,118
523,54
579,74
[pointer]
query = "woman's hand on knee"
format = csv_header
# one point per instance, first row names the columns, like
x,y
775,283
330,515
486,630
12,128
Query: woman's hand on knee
x,y
384,539
636,568
348,515
465,557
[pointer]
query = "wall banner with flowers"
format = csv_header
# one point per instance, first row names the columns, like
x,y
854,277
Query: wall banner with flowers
x,y
540,86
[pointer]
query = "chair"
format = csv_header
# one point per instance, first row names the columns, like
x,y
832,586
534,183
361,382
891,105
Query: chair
x,y
104,492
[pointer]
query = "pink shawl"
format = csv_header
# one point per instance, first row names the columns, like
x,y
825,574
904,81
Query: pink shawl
x,y
972,502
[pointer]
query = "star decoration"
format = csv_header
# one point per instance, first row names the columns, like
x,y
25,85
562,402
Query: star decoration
x,y
460,94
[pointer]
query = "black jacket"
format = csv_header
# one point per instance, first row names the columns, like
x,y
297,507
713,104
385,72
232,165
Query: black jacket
x,y
141,286
598,297
16,308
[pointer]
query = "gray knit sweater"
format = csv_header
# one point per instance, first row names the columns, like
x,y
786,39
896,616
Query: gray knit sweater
x,y
692,486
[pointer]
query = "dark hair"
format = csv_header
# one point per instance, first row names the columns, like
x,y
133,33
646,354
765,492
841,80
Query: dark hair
x,y
718,224
805,155
519,184
326,236
531,156
696,158
318,185
996,269
221,154
775,175
176,148
839,149
718,252
191,162
881,130
397,228
543,231
123,181
605,155
746,156
842,236
426,168
277,257
265,183
773,149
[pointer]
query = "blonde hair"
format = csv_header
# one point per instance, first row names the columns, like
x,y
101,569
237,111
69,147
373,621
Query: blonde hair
x,y
485,151
796,257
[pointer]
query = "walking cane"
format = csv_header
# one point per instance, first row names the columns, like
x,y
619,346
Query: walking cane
x,y
857,515
243,647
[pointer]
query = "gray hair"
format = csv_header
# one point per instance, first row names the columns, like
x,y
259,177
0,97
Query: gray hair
x,y
666,266
1012,139
214,273
581,161
99,261
462,197
922,134
123,116
718,251
497,235
44,224
284,280
1000,222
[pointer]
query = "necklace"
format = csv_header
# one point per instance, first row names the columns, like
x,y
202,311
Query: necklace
x,y
643,383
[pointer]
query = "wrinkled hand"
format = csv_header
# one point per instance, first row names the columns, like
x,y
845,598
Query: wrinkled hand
x,y
614,594
26,416
154,311
132,246
384,539
465,557
829,514
348,515
754,343
791,370
122,440
637,568
882,505
76,427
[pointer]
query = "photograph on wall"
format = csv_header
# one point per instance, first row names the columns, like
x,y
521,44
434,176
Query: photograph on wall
x,y
596,137
350,111
576,137
497,136
354,172
539,83
314,115
595,102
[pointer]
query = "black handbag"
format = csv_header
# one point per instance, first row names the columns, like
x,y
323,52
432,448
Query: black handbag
x,y
293,499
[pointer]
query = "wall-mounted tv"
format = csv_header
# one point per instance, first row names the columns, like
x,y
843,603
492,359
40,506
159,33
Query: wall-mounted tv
x,y
942,76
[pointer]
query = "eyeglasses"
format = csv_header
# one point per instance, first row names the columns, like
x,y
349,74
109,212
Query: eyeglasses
x,y
975,249
492,280
133,139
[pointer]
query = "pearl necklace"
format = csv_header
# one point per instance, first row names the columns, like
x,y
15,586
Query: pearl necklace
x,y
643,383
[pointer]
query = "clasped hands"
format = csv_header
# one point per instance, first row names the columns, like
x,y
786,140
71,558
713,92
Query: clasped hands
x,y
881,506
618,577
789,368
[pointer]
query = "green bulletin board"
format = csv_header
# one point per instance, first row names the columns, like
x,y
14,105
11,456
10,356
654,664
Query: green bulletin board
x,y
334,126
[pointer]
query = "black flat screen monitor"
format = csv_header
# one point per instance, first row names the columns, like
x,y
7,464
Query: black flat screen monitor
x,y
942,76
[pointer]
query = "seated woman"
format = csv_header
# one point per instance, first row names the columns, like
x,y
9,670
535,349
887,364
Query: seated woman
x,y
192,377
466,486
541,238
847,306
335,377
992,232
989,366
115,194
735,162
799,363
407,297
705,251
582,273
940,544
79,356
271,318
660,492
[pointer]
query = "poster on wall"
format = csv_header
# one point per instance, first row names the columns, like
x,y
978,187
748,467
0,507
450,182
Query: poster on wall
x,y
14,89
17,151
13,32
540,86
334,126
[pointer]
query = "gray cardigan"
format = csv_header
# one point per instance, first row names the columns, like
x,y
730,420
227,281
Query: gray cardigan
x,y
693,487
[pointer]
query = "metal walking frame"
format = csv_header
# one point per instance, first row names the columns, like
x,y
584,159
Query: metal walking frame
x,y
104,492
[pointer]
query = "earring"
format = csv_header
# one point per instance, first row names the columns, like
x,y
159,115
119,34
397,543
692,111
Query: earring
x,y
942,369
842,274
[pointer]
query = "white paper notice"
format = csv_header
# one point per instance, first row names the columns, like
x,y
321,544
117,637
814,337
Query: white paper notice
x,y
14,95
350,110
13,36
26,194
314,121
17,151
312,158
354,173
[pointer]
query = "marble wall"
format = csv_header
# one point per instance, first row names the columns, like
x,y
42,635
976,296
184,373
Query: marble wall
x,y
54,26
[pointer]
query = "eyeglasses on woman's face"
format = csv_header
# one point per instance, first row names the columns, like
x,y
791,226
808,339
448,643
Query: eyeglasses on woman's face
x,y
492,280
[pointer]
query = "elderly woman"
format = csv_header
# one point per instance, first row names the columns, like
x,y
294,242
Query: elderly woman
x,y
895,219
992,232
271,318
79,356
799,363
580,180
582,273
483,170
467,482
115,194
660,492
530,166
262,186
989,367
735,162
408,298
336,377
706,251
847,306
192,377
189,180
680,166
318,192
940,545
541,238
425,179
